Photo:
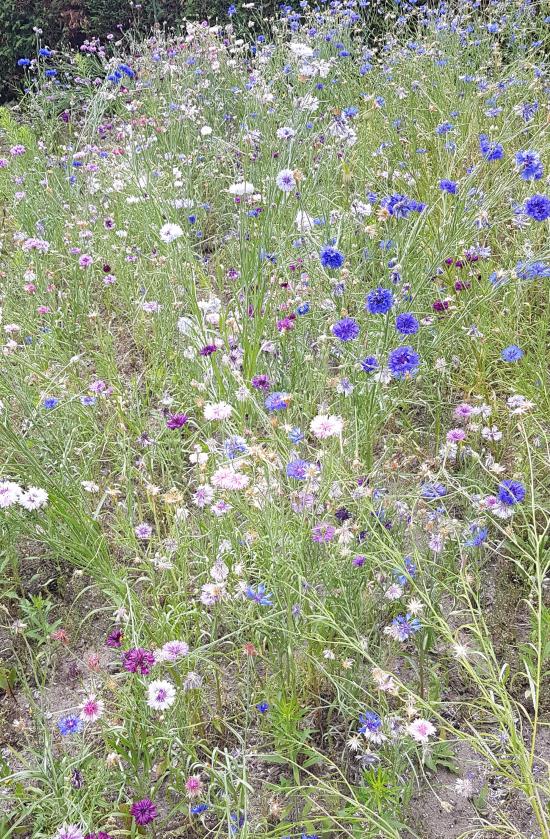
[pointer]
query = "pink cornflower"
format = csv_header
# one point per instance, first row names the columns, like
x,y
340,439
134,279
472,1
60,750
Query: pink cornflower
x,y
421,730
203,495
92,708
217,411
323,426
85,260
227,478
193,786
456,435
173,650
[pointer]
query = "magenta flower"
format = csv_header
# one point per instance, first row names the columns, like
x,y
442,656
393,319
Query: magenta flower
x,y
138,660
144,811
176,421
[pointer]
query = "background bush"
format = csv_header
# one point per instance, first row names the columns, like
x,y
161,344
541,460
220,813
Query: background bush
x,y
70,22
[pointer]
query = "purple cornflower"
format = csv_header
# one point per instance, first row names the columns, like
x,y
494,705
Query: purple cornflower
x,y
358,561
431,491
176,421
143,531
323,532
511,492
261,382
379,301
144,811
138,660
403,362
209,349
346,329
490,151
114,638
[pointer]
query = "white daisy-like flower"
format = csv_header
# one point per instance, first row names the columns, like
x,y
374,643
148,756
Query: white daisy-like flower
x,y
170,232
242,188
10,493
161,694
33,499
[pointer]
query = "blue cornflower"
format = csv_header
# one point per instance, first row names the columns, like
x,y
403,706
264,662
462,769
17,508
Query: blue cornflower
x,y
234,446
379,301
70,725
404,626
369,364
410,568
532,270
478,536
537,207
296,435
511,492
51,74
44,52
490,151
403,362
258,595
346,329
232,10
444,128
124,68
262,707
276,401
297,469
303,309
237,821
400,206
331,258
50,402
370,723
23,62
512,353
431,491
529,165
87,401
448,186
407,324
199,809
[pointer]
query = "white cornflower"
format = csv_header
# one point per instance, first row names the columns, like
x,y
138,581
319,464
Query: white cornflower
x,y
170,232
161,694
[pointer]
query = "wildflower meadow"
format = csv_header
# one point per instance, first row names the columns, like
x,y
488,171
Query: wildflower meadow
x,y
274,401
